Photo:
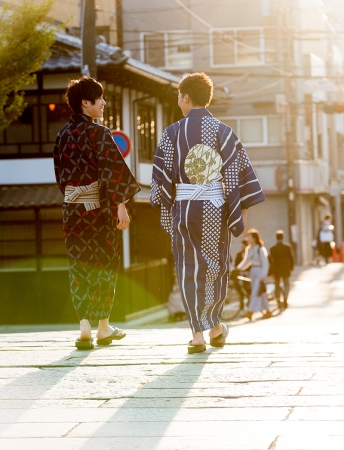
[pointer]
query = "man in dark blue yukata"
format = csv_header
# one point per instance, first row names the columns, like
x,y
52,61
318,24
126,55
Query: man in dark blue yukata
x,y
203,182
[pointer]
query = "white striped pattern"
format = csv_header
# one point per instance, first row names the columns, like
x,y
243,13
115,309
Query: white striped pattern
x,y
89,195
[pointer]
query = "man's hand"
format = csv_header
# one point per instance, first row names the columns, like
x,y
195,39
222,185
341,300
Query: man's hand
x,y
244,220
123,218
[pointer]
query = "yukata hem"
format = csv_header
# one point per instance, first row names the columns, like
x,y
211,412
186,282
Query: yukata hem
x,y
201,329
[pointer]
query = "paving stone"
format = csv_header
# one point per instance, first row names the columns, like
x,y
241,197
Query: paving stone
x,y
29,430
277,384
81,415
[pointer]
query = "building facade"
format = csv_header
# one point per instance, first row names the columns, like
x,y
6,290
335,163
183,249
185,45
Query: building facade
x,y
33,262
276,64
278,75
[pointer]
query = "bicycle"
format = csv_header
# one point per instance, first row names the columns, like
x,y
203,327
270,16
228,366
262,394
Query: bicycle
x,y
238,289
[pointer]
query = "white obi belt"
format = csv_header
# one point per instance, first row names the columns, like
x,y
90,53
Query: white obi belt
x,y
212,192
88,195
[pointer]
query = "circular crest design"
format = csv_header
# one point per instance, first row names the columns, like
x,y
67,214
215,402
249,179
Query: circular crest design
x,y
202,164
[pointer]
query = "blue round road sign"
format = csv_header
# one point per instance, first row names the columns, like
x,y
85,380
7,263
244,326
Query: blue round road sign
x,y
122,141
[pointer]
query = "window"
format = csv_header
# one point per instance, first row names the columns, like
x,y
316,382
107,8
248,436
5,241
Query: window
x,y
246,47
34,132
146,131
255,131
169,50
112,112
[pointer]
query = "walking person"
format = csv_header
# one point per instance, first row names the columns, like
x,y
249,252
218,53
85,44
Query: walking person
x,y
256,258
326,238
96,184
242,287
283,264
203,183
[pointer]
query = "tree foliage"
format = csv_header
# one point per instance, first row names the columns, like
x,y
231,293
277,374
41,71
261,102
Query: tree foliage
x,y
25,37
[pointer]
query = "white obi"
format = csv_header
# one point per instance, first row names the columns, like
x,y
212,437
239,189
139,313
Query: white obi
x,y
212,192
89,195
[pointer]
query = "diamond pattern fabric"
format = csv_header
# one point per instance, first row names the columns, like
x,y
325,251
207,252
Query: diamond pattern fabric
x,y
191,152
85,153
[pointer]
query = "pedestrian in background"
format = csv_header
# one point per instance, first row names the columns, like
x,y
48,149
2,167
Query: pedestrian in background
x,y
283,264
256,258
326,238
203,182
96,184
242,287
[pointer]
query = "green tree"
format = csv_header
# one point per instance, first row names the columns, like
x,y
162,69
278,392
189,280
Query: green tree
x,y
26,33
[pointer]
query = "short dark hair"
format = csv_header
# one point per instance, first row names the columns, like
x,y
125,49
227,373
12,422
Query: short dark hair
x,y
86,88
199,88
279,235
328,217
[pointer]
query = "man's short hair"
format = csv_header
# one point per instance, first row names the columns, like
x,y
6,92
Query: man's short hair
x,y
280,235
86,88
199,88
328,217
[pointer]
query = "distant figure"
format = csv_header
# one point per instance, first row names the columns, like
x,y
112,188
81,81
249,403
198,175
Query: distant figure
x,y
283,264
240,287
256,258
325,238
175,304
240,255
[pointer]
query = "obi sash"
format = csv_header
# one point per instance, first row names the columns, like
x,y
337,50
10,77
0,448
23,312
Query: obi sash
x,y
212,192
88,195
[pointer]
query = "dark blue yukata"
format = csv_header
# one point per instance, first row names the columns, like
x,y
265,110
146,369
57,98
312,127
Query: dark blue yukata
x,y
202,179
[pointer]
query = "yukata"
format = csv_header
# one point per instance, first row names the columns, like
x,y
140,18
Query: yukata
x,y
256,259
94,179
202,179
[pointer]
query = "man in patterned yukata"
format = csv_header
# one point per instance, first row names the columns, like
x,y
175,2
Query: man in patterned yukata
x,y
96,184
204,183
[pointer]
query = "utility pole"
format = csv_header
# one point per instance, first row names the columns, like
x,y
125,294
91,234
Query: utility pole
x,y
284,12
88,38
119,19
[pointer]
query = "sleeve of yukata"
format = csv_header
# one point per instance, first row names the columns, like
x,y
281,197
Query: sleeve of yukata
x,y
56,157
116,182
157,175
162,186
242,188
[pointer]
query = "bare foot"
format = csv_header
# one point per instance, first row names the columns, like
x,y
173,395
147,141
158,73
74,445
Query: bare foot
x,y
198,339
215,332
85,330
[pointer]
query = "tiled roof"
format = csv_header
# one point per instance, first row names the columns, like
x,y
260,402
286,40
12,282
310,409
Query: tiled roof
x,y
153,72
43,195
66,54
29,196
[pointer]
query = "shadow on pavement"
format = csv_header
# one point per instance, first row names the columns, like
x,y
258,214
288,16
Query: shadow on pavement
x,y
157,405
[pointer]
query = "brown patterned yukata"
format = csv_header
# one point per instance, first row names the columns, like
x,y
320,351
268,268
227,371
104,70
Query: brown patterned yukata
x,y
85,153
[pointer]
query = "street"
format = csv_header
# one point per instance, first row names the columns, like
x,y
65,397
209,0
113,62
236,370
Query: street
x,y
277,384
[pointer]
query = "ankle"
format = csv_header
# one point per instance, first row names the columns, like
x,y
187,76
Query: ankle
x,y
85,324
198,338
103,325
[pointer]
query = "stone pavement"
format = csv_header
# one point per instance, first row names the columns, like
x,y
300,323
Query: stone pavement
x,y
277,384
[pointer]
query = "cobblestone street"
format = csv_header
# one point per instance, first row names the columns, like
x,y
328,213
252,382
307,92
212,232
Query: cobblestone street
x,y
277,384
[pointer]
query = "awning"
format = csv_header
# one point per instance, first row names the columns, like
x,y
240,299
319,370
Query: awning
x,y
30,196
